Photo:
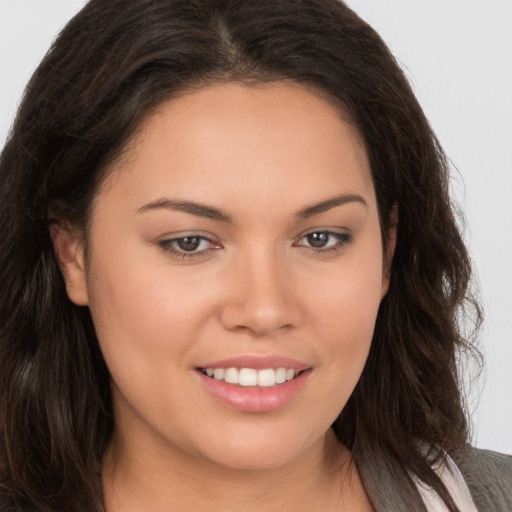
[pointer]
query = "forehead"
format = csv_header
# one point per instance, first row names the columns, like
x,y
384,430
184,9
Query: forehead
x,y
219,140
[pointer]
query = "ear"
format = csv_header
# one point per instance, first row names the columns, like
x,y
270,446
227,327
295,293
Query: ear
x,y
69,248
389,250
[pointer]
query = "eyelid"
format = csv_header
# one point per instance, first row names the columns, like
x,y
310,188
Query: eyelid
x,y
344,237
167,244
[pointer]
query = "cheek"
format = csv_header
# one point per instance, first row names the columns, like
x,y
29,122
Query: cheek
x,y
349,299
142,317
146,326
346,311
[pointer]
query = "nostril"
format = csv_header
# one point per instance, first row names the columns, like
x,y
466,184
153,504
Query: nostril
x,y
256,319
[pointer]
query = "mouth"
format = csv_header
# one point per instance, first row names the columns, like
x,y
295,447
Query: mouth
x,y
251,377
255,390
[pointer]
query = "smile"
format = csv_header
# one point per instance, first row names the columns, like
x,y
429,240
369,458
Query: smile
x,y
246,377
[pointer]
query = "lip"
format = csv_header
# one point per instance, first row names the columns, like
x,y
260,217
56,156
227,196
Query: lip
x,y
254,399
251,398
258,363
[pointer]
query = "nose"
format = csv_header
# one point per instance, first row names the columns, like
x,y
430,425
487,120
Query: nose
x,y
261,300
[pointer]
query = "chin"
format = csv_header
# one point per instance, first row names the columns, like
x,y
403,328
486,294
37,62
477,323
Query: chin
x,y
250,461
258,452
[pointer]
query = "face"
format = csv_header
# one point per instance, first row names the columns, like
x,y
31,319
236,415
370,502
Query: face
x,y
236,246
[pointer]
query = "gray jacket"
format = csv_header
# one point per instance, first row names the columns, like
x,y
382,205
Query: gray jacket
x,y
488,476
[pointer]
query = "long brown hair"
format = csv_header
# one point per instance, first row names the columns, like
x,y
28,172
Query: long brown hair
x,y
111,65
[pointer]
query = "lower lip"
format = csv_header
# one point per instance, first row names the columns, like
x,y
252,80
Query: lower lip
x,y
255,399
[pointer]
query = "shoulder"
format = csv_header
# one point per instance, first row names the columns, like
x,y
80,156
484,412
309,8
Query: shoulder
x,y
488,475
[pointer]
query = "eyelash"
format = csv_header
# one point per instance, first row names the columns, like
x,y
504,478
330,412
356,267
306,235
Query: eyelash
x,y
342,239
169,247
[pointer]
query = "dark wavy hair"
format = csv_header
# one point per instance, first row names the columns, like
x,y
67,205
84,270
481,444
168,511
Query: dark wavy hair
x,y
108,69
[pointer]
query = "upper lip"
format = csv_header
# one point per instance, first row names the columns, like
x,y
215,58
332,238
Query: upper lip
x,y
258,363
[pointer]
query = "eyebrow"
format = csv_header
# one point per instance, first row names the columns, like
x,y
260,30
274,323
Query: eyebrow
x,y
330,203
210,212
191,207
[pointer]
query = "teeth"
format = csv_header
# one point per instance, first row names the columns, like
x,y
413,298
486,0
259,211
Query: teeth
x,y
218,373
266,378
250,377
281,375
231,376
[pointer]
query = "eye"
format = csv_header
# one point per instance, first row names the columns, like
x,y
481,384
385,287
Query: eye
x,y
189,243
318,239
188,246
324,240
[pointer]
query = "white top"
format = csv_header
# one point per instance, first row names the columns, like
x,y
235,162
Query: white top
x,y
450,475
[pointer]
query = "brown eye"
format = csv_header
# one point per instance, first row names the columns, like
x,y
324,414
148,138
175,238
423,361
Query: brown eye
x,y
188,247
318,239
323,242
188,243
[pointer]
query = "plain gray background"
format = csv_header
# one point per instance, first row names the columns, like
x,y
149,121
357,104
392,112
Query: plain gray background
x,y
458,56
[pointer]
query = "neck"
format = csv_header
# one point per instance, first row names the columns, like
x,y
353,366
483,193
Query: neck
x,y
321,479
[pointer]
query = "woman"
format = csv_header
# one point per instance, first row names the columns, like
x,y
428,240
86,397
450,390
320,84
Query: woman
x,y
230,272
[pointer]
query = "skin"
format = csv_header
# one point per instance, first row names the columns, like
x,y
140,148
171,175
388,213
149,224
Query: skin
x,y
255,286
